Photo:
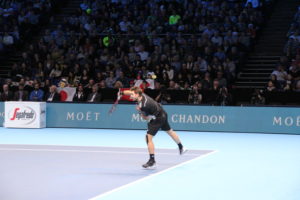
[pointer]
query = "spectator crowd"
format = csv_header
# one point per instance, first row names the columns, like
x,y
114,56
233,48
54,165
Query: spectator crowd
x,y
286,75
20,19
193,45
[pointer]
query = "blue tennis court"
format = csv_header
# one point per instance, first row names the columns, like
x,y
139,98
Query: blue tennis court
x,y
65,164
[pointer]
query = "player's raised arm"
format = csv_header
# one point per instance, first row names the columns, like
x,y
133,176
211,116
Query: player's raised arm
x,y
126,92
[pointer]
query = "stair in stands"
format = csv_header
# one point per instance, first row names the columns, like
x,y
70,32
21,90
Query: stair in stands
x,y
256,72
269,47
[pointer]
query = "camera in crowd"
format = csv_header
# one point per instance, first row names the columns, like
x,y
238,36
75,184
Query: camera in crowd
x,y
258,97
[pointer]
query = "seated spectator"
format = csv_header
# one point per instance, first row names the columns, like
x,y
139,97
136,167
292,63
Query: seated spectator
x,y
109,81
207,81
271,87
95,96
55,73
123,79
194,96
84,80
213,93
275,81
52,95
221,79
7,40
258,98
289,83
201,64
80,95
229,70
294,70
118,85
28,85
143,53
224,98
172,85
297,86
163,97
6,94
170,72
88,88
37,94
21,94
281,75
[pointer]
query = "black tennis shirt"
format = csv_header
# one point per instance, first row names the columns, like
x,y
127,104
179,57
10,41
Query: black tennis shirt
x,y
149,106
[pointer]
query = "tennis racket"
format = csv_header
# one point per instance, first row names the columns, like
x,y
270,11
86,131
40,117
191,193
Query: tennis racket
x,y
114,106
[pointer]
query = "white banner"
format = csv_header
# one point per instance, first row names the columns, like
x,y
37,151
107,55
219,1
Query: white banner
x,y
25,114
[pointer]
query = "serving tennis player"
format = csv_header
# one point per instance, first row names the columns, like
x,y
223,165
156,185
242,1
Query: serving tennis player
x,y
157,119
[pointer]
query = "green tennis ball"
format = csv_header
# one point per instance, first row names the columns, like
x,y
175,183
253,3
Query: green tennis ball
x,y
106,41
88,11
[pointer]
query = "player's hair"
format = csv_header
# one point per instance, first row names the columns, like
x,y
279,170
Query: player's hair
x,y
137,90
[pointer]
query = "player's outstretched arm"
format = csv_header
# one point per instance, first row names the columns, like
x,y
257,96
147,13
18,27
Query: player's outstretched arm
x,y
126,92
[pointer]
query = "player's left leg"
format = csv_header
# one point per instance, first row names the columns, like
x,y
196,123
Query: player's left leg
x,y
175,137
166,127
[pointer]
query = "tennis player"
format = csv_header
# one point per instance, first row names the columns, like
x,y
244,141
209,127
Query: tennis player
x,y
157,119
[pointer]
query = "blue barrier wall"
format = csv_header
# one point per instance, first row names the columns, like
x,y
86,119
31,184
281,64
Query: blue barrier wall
x,y
195,118
1,113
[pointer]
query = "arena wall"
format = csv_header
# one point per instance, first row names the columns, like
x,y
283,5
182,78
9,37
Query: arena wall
x,y
284,120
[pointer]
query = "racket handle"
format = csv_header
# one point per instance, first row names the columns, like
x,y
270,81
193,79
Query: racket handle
x,y
120,94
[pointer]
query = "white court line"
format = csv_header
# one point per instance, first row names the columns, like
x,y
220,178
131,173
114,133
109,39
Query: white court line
x,y
86,151
150,176
62,145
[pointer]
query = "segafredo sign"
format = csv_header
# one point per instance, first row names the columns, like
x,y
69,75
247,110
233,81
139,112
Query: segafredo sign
x,y
22,114
25,114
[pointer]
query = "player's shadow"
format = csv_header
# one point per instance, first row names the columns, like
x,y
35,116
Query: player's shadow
x,y
138,172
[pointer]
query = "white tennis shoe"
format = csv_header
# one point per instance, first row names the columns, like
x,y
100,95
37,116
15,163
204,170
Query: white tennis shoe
x,y
182,151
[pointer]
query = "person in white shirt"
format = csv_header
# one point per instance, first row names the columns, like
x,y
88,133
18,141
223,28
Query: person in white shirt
x,y
217,39
8,39
280,73
143,54
95,96
124,24
52,95
80,95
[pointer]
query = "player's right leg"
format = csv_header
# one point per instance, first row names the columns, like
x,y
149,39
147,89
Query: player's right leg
x,y
150,144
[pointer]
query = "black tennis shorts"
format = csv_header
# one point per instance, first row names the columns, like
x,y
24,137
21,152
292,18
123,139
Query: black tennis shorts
x,y
161,122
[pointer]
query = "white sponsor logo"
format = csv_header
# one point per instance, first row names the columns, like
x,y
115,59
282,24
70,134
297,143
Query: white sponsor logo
x,y
137,117
23,114
185,119
83,116
286,121
198,119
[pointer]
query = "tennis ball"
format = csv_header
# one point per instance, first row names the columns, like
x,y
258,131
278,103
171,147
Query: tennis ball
x,y
88,11
153,76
